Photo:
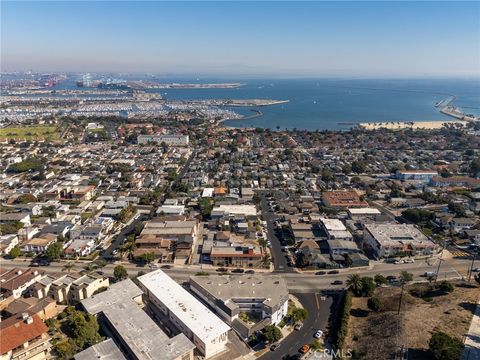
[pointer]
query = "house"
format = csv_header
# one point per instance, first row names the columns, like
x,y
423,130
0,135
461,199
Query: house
x,y
22,217
85,286
342,247
7,243
45,308
14,282
24,337
312,258
39,244
459,224
357,259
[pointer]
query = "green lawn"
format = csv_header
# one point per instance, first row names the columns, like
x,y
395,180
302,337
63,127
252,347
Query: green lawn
x,y
50,133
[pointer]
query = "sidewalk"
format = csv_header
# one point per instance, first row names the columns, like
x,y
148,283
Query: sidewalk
x,y
472,340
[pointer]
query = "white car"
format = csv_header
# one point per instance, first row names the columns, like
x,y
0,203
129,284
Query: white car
x,y
409,261
399,262
318,334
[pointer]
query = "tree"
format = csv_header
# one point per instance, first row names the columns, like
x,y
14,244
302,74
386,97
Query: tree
x,y
405,277
444,347
120,273
272,333
266,260
359,166
354,283
475,166
368,286
299,314
477,278
54,251
374,304
85,329
14,253
446,287
380,279
146,258
417,215
68,266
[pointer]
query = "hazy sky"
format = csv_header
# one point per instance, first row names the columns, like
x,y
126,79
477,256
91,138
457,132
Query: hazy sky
x,y
244,38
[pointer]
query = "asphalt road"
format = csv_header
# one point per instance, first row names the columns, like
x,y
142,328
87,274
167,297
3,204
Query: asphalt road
x,y
120,238
279,260
318,308
296,282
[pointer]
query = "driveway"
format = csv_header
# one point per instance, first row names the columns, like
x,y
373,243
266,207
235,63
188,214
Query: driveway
x,y
319,308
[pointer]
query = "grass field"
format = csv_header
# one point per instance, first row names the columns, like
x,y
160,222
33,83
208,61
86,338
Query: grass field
x,y
49,133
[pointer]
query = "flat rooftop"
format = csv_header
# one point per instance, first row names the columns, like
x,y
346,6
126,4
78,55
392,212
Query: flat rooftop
x,y
227,288
190,311
120,305
105,350
388,233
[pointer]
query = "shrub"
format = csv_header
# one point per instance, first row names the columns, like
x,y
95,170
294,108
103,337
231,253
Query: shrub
x,y
375,304
446,287
340,329
444,347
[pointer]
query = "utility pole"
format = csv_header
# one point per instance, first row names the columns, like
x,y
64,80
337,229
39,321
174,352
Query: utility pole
x,y
438,270
471,266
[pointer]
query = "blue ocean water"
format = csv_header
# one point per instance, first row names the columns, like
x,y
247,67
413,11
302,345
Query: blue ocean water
x,y
323,104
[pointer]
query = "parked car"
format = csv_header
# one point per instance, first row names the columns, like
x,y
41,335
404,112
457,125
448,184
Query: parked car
x,y
399,262
318,334
222,269
238,271
274,347
166,266
337,282
250,272
304,349
298,326
429,274
333,272
409,261
320,273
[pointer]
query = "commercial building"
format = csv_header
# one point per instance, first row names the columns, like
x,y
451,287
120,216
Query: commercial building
x,y
172,140
235,212
135,333
422,175
393,239
343,199
229,296
170,300
455,181
237,255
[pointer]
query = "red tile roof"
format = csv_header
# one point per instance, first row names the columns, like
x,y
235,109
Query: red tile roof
x,y
14,332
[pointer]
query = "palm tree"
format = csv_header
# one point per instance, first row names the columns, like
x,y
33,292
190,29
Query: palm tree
x,y
68,266
266,260
354,283
405,277
129,247
89,268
